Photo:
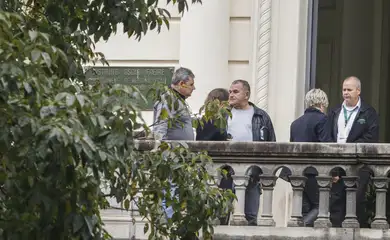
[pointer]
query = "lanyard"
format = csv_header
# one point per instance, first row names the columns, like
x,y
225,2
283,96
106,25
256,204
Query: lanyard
x,y
346,118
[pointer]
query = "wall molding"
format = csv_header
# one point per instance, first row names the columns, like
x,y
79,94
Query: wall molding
x,y
263,47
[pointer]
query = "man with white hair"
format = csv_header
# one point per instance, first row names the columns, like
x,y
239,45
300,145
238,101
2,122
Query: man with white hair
x,y
355,122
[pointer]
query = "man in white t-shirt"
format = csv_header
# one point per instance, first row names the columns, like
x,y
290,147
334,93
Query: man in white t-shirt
x,y
355,122
249,123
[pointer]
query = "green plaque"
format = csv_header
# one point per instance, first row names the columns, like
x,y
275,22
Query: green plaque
x,y
141,77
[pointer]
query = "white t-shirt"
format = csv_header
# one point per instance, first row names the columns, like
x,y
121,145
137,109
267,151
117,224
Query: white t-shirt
x,y
240,125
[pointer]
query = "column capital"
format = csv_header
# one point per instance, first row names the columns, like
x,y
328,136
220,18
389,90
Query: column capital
x,y
297,181
323,181
240,181
380,182
268,181
350,181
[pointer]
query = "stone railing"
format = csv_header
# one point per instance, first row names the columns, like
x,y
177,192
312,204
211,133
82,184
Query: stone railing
x,y
270,157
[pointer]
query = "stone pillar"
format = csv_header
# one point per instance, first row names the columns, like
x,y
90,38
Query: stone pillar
x,y
380,221
297,183
204,47
287,65
239,205
350,216
267,184
323,215
262,53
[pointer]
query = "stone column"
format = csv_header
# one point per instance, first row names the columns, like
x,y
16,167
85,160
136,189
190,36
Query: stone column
x,y
323,215
287,68
239,205
204,47
350,216
262,53
380,221
297,183
267,184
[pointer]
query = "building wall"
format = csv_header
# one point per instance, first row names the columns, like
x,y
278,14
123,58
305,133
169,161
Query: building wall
x,y
214,40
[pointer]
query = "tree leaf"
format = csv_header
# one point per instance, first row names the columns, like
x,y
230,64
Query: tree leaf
x,y
102,155
164,114
126,204
70,99
35,55
146,228
88,221
47,59
102,121
27,87
33,35
60,96
80,99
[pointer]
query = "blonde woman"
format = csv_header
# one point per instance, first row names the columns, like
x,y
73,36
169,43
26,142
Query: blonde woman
x,y
310,127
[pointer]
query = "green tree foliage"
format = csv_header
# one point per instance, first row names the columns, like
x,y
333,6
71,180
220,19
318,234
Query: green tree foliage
x,y
67,146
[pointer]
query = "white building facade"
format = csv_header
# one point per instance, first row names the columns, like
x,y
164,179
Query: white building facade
x,y
225,40
281,47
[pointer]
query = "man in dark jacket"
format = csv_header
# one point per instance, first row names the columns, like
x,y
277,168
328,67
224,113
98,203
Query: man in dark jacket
x,y
355,122
310,127
249,123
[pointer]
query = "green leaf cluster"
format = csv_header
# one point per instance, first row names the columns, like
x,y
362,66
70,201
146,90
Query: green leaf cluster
x,y
66,146
213,111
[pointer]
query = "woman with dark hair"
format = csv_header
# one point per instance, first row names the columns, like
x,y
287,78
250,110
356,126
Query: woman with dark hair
x,y
207,131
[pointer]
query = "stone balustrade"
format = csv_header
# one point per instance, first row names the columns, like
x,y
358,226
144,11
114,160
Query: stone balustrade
x,y
270,157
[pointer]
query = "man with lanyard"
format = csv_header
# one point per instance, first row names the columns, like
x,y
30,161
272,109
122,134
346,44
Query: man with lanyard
x,y
355,122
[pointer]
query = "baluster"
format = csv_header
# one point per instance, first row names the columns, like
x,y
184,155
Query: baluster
x,y
239,205
323,215
297,183
350,216
380,221
267,183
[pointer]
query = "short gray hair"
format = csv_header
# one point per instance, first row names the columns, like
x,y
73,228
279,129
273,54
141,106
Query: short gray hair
x,y
245,84
182,74
358,82
316,98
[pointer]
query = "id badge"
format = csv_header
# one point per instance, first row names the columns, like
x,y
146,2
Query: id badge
x,y
342,138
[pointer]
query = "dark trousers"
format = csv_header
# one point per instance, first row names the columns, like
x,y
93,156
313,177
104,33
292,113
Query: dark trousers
x,y
337,218
226,184
310,217
361,201
252,202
